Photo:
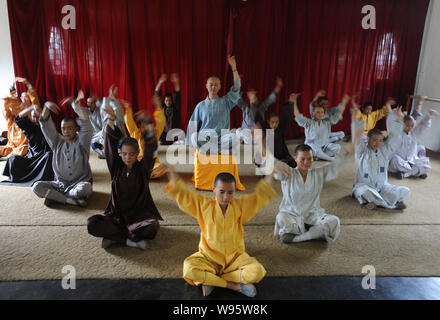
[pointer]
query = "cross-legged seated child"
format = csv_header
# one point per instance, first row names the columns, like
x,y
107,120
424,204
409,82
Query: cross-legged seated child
x,y
371,187
222,260
318,130
131,217
71,151
301,217
321,100
407,161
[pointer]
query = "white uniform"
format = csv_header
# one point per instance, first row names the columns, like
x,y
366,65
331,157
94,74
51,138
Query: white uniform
x,y
119,113
334,136
301,200
318,135
406,159
371,181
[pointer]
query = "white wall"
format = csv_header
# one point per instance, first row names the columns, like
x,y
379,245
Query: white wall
x,y
6,62
428,78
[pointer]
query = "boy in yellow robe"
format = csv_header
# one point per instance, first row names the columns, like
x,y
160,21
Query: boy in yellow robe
x,y
370,117
135,132
221,260
17,142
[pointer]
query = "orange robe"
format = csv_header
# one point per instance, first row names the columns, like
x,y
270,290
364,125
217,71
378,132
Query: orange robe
x,y
135,132
17,141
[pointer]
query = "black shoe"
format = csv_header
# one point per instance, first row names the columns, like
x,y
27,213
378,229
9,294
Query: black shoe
x,y
49,203
400,206
400,175
287,238
423,176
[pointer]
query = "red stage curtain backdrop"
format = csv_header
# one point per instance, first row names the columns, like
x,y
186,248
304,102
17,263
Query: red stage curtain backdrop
x,y
312,45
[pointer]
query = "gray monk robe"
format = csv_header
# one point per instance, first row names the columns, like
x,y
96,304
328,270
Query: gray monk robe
x,y
131,213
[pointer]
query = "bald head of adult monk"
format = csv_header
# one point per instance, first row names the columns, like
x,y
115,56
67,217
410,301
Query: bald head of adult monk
x,y
213,85
91,103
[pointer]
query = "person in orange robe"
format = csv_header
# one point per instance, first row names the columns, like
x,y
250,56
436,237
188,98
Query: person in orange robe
x,y
17,142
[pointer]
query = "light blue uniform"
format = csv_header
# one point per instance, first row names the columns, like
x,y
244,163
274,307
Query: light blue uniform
x,y
214,116
371,181
318,135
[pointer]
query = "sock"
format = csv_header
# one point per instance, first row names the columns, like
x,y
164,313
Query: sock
x,y
140,245
315,232
75,202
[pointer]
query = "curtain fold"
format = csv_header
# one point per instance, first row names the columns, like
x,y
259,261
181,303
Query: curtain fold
x,y
312,45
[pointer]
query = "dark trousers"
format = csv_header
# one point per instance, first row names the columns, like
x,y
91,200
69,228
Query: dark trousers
x,y
105,226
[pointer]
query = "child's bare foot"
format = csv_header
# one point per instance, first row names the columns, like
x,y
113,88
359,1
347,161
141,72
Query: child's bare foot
x,y
207,290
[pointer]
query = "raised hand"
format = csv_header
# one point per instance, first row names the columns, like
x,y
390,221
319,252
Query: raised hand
x,y
125,104
113,91
174,78
354,110
399,113
279,82
67,100
294,97
163,78
173,177
20,79
80,95
232,62
345,99
282,169
111,113
52,107
390,102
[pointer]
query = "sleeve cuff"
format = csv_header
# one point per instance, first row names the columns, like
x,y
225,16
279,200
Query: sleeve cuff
x,y
174,190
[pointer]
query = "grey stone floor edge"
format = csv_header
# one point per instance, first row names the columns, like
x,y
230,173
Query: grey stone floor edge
x,y
270,288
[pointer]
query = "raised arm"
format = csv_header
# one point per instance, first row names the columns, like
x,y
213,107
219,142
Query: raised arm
x,y
132,128
188,201
272,98
335,117
357,130
176,95
395,129
48,127
254,202
150,146
424,123
234,94
333,169
417,111
112,135
162,80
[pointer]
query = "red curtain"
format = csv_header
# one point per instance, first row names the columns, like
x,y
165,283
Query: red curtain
x,y
312,45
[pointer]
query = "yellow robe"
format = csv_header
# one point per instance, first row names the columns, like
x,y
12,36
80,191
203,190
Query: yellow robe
x,y
221,255
372,119
135,133
17,141
207,167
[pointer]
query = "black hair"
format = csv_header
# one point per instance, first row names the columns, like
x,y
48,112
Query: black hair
x,y
365,105
70,119
318,106
168,95
302,148
129,142
273,115
225,177
375,132
12,89
323,99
